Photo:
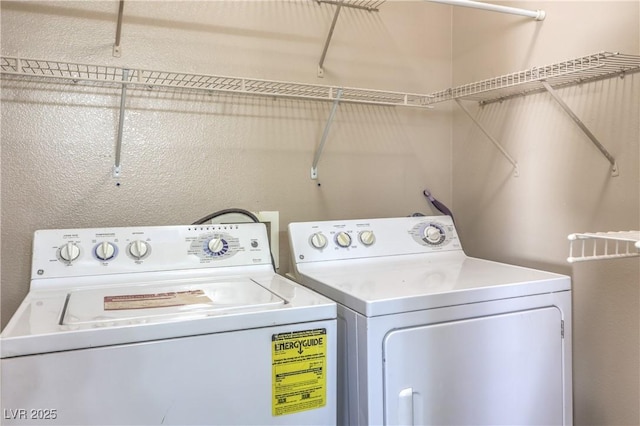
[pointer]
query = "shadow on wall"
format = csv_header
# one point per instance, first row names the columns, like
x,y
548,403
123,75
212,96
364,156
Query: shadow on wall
x,y
62,9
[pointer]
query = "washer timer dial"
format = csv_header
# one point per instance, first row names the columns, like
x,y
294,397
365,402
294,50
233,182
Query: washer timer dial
x,y
217,246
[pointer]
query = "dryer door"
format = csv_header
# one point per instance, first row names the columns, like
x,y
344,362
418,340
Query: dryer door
x,y
494,370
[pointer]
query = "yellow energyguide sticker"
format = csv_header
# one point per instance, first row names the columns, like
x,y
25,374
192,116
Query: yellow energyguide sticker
x,y
299,371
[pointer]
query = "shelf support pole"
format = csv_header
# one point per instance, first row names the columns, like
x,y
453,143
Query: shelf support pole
x,y
585,129
326,43
116,46
123,97
316,158
506,155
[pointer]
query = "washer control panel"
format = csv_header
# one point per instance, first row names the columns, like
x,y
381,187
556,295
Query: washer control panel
x,y
350,239
80,252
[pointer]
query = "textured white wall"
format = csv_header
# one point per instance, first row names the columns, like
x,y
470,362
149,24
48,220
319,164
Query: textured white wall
x,y
186,155
565,184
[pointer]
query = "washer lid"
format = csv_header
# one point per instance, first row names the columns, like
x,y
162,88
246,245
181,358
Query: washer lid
x,y
396,284
61,320
107,305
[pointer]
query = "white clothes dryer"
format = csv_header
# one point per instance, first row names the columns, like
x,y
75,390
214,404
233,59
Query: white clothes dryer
x,y
430,336
166,325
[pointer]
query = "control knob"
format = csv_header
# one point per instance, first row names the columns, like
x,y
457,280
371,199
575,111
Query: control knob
x,y
367,237
217,246
433,235
69,252
318,240
343,239
105,250
138,249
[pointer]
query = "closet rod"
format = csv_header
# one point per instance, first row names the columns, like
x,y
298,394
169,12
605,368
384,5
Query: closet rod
x,y
538,15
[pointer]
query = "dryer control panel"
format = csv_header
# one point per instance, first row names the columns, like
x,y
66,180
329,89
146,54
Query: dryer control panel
x,y
353,239
101,251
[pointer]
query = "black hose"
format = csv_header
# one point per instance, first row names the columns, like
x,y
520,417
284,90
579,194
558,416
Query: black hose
x,y
224,212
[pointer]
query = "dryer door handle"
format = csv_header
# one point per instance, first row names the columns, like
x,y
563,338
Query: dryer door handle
x,y
405,407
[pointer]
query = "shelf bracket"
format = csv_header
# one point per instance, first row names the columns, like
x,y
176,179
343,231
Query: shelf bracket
x,y
585,129
326,43
116,46
506,155
316,158
123,97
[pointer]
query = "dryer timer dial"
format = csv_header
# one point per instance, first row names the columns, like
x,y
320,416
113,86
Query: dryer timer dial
x,y
433,234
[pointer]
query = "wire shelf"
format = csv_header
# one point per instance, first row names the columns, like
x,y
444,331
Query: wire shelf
x,y
369,5
139,78
588,68
576,71
603,245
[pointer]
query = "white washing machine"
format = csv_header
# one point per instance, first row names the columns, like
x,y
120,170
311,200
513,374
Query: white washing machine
x,y
166,325
429,336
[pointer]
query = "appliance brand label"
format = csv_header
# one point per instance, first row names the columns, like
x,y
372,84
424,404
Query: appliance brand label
x,y
299,371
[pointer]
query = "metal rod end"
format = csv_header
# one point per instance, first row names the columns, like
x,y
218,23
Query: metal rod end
x,y
541,14
614,169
